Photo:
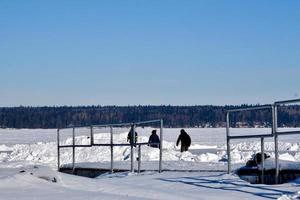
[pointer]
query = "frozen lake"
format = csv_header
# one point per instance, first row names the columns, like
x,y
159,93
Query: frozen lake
x,y
34,153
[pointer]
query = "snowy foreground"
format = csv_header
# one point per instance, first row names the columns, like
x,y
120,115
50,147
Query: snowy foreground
x,y
28,167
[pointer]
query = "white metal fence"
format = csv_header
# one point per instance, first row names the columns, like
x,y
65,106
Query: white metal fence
x,y
112,144
274,132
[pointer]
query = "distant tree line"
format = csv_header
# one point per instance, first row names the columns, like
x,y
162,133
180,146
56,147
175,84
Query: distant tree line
x,y
173,116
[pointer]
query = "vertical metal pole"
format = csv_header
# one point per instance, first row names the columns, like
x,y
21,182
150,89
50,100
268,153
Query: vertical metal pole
x,y
139,161
262,143
92,135
73,157
160,145
228,143
276,159
131,147
276,146
58,151
111,151
273,120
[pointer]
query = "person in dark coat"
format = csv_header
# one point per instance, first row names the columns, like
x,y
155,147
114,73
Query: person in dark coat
x,y
154,139
130,139
185,140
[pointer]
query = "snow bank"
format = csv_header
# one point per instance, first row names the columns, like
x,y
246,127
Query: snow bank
x,y
41,182
46,152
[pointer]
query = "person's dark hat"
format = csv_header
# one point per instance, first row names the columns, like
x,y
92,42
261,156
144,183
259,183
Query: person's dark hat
x,y
182,131
154,132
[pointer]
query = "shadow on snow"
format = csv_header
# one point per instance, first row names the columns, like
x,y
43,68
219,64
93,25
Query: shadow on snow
x,y
229,185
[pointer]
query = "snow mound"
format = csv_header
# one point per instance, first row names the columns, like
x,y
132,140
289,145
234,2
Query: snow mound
x,y
46,152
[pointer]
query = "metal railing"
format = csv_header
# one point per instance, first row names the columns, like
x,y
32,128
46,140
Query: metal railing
x,y
112,144
275,133
261,136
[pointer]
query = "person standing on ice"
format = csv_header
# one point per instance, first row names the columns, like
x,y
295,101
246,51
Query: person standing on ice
x,y
154,139
130,139
185,140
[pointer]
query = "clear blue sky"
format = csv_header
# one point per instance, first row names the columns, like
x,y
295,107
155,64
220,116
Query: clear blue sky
x,y
148,52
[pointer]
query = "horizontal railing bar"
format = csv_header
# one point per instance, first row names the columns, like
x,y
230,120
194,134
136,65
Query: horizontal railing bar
x,y
250,108
147,122
118,124
65,146
106,145
71,127
109,125
125,144
288,133
127,124
76,145
281,151
287,101
249,136
146,143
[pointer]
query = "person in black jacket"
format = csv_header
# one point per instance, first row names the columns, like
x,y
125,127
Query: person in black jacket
x,y
130,139
154,139
185,140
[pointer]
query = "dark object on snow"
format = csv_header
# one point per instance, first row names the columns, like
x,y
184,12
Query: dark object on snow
x,y
130,139
256,160
185,140
47,178
22,171
154,139
251,163
258,157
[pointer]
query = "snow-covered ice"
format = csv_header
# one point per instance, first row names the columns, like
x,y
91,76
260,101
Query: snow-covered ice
x,y
28,162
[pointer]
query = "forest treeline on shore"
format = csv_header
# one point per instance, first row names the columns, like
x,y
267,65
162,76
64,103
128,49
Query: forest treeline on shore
x,y
173,116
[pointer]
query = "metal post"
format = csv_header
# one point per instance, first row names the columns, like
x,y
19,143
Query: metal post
x,y
139,160
160,145
131,146
276,159
73,157
273,120
58,151
228,143
276,146
262,144
92,135
111,151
